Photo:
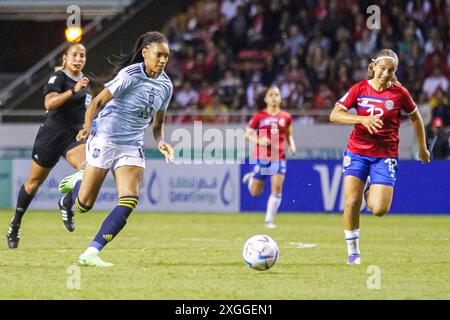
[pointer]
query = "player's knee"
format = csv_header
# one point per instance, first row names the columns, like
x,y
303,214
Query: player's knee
x,y
32,185
256,192
277,189
352,201
379,210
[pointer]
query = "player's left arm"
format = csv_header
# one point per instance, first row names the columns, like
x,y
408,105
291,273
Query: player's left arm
x,y
419,129
290,140
411,109
158,133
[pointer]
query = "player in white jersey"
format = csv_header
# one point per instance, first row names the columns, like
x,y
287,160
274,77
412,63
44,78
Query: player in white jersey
x,y
139,94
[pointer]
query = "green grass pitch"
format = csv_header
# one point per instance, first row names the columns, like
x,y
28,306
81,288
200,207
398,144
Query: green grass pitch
x,y
199,256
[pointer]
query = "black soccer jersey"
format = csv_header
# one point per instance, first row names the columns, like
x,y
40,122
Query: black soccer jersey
x,y
71,113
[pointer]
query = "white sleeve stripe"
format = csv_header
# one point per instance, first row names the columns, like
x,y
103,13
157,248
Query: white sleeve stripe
x,y
415,109
342,106
250,130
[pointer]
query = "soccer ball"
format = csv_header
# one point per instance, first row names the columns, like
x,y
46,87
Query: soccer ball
x,y
260,252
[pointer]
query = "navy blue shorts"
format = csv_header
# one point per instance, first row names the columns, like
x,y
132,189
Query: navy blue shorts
x,y
264,168
380,170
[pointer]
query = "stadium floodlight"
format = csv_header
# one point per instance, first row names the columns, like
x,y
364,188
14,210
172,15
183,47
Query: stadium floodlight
x,y
74,34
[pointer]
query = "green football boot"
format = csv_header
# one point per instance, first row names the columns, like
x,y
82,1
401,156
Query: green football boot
x,y
68,183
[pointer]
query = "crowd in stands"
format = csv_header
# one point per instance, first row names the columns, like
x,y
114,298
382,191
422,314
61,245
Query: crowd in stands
x,y
224,53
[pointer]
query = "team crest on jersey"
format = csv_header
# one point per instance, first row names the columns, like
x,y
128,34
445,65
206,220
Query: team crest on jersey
x,y
282,122
96,153
151,99
389,105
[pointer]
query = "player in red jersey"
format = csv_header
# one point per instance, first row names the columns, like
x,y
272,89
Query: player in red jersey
x,y
270,129
370,161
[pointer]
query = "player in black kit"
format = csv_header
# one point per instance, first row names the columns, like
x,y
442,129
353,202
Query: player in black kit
x,y
66,97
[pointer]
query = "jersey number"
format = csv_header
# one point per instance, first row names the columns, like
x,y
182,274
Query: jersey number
x,y
392,163
144,114
374,111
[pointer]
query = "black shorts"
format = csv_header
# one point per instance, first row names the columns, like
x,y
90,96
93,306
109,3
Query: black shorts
x,y
53,142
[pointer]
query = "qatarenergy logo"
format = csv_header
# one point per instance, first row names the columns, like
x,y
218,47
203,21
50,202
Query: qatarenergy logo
x,y
193,189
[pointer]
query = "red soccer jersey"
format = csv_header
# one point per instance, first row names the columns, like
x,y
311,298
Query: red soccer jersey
x,y
387,104
274,127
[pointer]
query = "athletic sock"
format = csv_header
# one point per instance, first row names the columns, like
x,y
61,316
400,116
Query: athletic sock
x,y
272,207
115,221
68,200
23,201
352,239
81,207
75,190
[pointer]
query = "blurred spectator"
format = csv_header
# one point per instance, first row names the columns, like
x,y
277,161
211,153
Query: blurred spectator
x,y
206,95
200,70
324,99
435,81
418,9
230,88
173,33
272,21
216,112
269,71
434,42
294,40
254,89
440,107
292,72
229,8
438,139
425,109
343,82
255,32
219,68
298,97
186,97
238,29
365,47
321,10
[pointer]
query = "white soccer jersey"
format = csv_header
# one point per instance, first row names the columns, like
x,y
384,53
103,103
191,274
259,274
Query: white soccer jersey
x,y
136,97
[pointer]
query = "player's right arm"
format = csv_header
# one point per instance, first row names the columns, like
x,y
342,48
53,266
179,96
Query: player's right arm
x,y
251,134
113,89
341,115
101,99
